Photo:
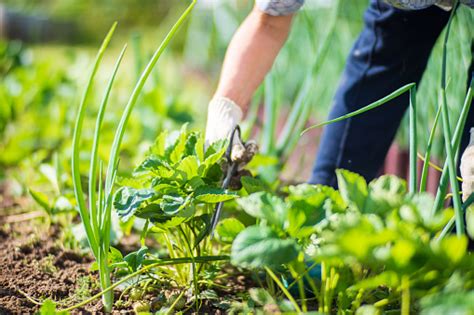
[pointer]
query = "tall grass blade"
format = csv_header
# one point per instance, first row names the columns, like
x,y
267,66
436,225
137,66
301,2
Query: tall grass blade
x,y
364,109
413,141
75,162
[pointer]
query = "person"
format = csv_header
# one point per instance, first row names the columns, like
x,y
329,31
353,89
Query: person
x,y
392,50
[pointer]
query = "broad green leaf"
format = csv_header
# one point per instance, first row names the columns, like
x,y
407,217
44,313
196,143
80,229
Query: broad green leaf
x,y
402,252
218,147
114,255
190,145
195,182
228,229
385,193
159,146
208,194
259,246
265,206
171,205
163,224
454,247
135,259
189,166
179,147
155,164
253,185
49,308
127,200
353,188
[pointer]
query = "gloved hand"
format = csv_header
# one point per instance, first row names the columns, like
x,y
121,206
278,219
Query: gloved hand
x,y
422,4
222,118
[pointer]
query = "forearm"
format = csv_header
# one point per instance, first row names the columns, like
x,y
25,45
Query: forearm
x,y
250,55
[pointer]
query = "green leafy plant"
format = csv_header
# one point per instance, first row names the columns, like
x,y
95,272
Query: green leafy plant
x,y
175,190
375,243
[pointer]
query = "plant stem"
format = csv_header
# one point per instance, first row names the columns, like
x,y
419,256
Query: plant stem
x,y
405,286
413,139
426,164
282,287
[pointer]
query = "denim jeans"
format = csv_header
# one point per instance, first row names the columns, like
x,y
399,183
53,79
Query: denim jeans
x,y
391,51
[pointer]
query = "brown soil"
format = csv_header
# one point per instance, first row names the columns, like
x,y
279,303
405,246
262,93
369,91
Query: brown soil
x,y
36,266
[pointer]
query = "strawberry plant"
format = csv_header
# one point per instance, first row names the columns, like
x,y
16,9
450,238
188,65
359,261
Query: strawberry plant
x,y
174,190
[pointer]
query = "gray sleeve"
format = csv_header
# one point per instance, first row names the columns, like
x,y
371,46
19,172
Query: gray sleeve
x,y
279,7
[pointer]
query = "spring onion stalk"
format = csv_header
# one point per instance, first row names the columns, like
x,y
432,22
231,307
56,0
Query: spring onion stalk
x,y
91,223
95,146
413,144
92,238
447,135
456,141
364,109
429,146
97,223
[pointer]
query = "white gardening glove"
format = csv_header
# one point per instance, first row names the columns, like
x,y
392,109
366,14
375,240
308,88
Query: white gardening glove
x,y
223,115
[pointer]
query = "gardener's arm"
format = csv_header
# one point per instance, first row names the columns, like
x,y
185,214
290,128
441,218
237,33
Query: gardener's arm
x,y
250,55
248,59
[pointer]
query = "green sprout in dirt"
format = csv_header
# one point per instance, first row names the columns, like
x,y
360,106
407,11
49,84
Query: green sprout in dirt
x,y
96,218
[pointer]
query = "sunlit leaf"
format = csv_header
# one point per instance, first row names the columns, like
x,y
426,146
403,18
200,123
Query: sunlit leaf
x,y
259,246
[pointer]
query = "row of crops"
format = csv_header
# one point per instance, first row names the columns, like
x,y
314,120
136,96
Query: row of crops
x,y
110,149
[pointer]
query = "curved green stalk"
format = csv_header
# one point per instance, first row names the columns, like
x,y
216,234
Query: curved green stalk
x,y
362,110
75,162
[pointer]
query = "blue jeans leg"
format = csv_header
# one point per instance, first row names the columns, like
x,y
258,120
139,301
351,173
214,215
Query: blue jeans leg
x,y
391,51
